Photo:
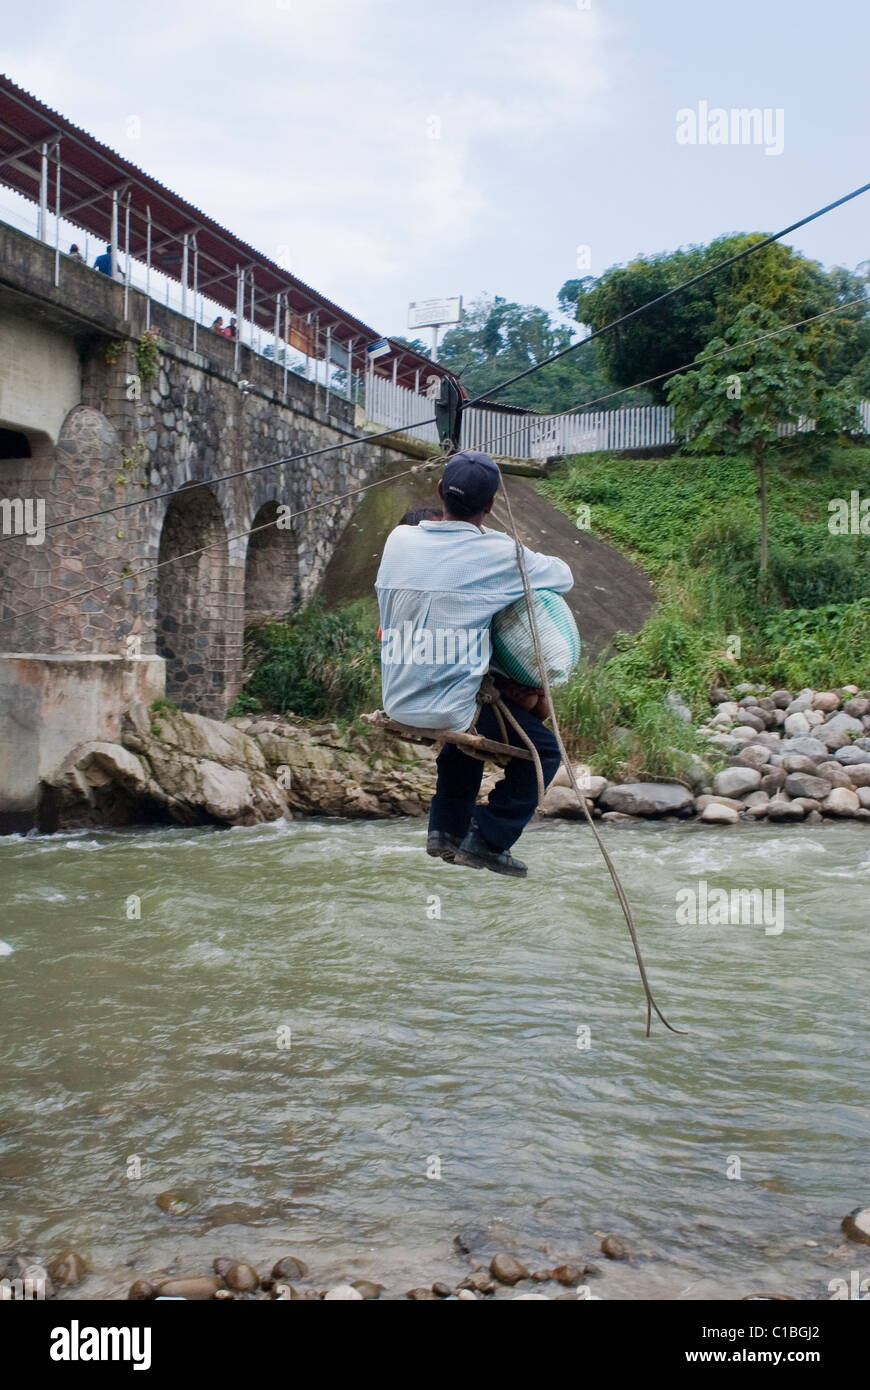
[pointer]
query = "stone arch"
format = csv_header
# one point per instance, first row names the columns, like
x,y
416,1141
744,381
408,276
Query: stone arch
x,y
193,601
271,568
26,457
26,465
14,444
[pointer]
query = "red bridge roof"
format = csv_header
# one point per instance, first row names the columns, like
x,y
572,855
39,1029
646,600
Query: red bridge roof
x,y
91,172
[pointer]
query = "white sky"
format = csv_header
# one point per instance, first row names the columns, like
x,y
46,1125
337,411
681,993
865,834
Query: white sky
x,y
306,124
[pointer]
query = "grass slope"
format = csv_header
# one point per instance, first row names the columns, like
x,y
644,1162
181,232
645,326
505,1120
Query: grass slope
x,y
693,522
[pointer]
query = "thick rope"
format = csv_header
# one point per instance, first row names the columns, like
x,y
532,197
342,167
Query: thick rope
x,y
545,683
539,772
489,695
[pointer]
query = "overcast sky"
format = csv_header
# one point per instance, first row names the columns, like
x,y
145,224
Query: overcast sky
x,y
390,150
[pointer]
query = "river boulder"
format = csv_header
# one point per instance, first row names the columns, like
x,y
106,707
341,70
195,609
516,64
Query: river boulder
x,y
796,723
781,810
507,1269
841,723
798,762
752,719
856,1226
851,755
240,1276
746,733
197,1288
858,707
289,1267
177,767
736,781
647,798
840,775
802,701
753,755
561,801
773,779
100,784
67,1270
841,802
804,784
806,744
826,701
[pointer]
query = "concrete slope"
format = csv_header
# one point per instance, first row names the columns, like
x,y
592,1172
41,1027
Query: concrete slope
x,y
610,594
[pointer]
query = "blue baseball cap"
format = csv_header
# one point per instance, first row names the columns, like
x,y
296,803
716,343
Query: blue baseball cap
x,y
469,481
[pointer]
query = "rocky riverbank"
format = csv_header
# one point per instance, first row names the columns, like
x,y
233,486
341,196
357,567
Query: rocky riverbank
x,y
180,768
488,1271
482,1270
789,758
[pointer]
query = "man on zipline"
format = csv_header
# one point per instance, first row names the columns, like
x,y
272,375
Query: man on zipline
x,y
439,585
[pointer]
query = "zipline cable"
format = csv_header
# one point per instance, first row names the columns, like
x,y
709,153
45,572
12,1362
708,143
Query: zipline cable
x,y
119,581
676,289
519,376
701,361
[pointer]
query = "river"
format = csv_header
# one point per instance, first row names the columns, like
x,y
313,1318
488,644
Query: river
x,y
328,1045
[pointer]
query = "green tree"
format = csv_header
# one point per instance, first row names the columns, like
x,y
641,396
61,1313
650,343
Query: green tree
x,y
656,341
497,338
736,403
661,340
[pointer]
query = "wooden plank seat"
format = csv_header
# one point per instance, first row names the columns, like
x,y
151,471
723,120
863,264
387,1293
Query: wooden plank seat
x,y
475,745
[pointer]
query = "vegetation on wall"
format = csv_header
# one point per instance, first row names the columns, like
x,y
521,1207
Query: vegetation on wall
x,y
147,354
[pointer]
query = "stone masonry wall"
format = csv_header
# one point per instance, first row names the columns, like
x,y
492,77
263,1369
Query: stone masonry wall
x,y
188,426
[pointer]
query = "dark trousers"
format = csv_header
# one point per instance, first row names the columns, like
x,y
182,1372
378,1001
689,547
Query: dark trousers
x,y
512,802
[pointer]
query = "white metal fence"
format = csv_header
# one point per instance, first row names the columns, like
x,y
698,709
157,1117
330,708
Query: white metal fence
x,y
539,436
397,407
511,435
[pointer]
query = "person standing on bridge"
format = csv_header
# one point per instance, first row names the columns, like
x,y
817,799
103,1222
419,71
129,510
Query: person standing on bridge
x,y
439,585
103,264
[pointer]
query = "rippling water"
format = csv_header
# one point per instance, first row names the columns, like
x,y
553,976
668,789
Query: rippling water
x,y
419,1042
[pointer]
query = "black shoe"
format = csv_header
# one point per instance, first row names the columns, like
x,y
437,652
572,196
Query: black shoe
x,y
441,845
478,853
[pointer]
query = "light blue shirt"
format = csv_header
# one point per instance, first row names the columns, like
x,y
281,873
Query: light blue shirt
x,y
439,586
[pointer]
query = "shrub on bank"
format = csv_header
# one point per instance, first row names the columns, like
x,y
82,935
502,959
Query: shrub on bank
x,y
820,647
321,664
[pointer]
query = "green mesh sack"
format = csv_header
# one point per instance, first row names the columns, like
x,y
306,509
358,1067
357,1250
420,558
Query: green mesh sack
x,y
513,648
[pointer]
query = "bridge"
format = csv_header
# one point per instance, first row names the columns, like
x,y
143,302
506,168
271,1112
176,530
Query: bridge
x,y
119,387
96,411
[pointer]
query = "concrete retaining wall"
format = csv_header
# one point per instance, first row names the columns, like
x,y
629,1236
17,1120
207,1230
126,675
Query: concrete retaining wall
x,y
48,705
